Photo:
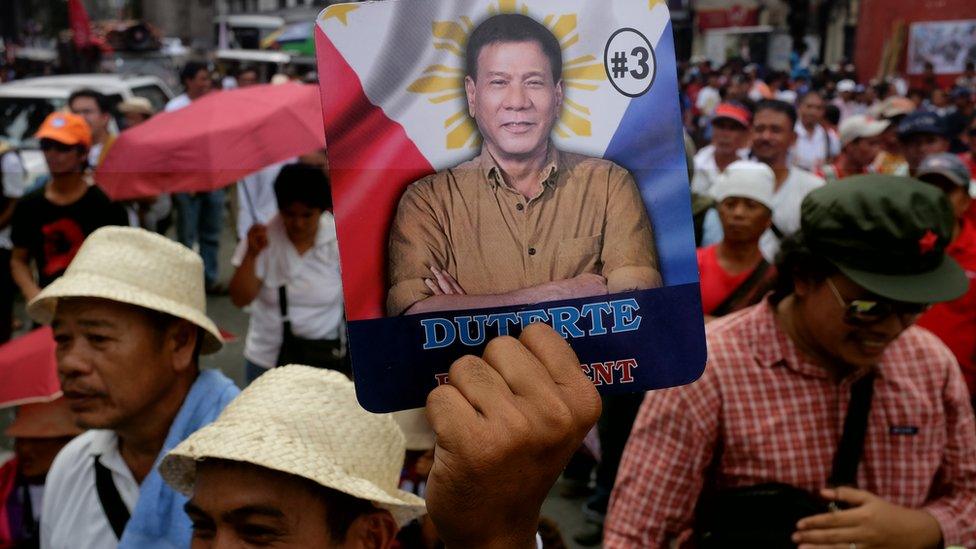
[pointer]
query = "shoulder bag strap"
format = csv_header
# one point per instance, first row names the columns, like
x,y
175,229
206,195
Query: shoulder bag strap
x,y
851,446
108,494
742,290
283,307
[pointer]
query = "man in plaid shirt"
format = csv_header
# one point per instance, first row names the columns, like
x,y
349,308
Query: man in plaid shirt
x,y
771,404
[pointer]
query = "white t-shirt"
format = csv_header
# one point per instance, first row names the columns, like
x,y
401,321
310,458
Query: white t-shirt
x,y
256,197
177,103
13,188
72,515
786,209
313,286
812,148
706,169
708,99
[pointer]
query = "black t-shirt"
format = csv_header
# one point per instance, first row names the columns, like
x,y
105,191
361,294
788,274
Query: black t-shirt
x,y
53,234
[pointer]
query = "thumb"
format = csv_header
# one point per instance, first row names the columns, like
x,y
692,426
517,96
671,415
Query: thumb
x,y
847,494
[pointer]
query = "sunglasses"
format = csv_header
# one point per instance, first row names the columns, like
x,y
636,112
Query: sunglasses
x,y
52,145
866,311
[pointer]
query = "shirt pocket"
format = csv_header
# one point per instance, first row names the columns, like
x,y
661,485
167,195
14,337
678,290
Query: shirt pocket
x,y
575,256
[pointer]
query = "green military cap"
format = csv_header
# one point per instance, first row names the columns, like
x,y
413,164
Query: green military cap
x,y
887,234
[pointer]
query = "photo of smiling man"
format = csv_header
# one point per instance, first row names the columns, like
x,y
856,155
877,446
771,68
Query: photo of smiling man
x,y
522,222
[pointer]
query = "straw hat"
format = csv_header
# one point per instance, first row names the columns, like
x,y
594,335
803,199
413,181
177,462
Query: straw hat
x,y
43,420
137,105
136,267
306,422
416,430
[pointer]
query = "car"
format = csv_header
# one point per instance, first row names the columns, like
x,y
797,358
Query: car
x,y
25,103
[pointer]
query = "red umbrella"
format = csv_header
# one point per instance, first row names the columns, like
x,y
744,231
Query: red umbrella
x,y
29,369
214,141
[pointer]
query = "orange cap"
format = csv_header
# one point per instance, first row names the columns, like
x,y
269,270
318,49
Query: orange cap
x,y
65,127
43,420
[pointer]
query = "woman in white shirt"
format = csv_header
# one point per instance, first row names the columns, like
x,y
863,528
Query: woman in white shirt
x,y
294,255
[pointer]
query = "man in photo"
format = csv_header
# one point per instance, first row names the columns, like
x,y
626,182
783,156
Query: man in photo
x,y
522,222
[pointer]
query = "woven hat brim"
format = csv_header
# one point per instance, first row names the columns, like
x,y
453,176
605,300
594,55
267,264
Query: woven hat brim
x,y
84,284
178,469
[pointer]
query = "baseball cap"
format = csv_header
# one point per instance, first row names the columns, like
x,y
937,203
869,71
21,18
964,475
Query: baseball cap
x,y
858,126
892,107
747,179
947,165
731,111
887,234
846,85
65,127
921,122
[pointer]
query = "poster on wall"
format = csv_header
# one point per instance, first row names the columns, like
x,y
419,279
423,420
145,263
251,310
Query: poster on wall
x,y
496,163
948,45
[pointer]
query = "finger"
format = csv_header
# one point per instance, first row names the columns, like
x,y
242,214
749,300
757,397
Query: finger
x,y
521,370
482,386
828,546
847,494
564,369
450,414
454,284
837,519
843,536
433,287
442,281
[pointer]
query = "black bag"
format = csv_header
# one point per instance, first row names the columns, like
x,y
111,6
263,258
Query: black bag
x,y
764,516
320,353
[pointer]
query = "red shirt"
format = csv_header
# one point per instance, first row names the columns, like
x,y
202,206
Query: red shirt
x,y
777,417
955,321
716,283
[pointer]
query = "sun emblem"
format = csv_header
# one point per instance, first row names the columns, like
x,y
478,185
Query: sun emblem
x,y
445,83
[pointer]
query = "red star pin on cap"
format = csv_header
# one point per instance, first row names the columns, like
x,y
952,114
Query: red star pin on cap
x,y
927,243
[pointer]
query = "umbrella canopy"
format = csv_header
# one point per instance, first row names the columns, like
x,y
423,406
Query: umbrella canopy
x,y
29,369
214,141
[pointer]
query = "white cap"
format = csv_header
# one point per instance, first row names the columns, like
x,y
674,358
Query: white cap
x,y
846,85
858,126
746,179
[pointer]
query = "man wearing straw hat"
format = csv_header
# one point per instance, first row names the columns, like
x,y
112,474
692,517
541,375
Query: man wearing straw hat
x,y
295,462
129,319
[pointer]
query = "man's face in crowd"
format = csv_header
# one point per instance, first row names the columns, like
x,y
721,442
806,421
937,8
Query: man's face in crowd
x,y
35,455
939,98
198,85
743,219
772,136
918,146
727,135
236,504
87,108
957,196
864,150
113,362
833,334
514,99
63,159
811,110
247,78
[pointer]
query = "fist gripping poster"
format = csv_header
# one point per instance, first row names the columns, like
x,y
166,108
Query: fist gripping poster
x,y
501,162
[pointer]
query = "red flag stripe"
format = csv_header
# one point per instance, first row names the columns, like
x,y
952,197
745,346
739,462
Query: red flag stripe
x,y
365,147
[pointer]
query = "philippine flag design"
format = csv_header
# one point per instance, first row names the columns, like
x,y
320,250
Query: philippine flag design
x,y
391,75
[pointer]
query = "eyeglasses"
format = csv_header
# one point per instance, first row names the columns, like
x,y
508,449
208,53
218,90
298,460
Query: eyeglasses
x,y
52,145
864,311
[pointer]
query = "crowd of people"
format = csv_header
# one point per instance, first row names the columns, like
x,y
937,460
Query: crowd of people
x,y
837,252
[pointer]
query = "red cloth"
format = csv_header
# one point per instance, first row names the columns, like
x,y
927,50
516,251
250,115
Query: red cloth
x,y
29,369
716,283
80,23
970,160
8,483
778,418
955,322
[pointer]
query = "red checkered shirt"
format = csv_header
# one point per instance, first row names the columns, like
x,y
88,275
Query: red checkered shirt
x,y
779,418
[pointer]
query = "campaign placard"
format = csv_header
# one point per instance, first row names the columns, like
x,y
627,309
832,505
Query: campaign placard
x,y
500,162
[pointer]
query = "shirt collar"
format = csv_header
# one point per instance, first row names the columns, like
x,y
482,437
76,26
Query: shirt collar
x,y
493,173
103,442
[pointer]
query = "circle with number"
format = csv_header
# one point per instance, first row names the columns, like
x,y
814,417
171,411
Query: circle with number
x,y
630,63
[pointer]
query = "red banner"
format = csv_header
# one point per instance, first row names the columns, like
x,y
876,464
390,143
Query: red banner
x,y
80,23
736,16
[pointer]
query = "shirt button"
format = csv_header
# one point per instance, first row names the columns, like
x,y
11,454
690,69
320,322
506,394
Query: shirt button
x,y
519,206
531,251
